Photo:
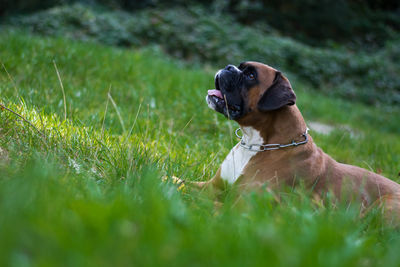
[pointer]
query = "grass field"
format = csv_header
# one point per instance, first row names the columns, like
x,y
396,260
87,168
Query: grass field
x,y
88,192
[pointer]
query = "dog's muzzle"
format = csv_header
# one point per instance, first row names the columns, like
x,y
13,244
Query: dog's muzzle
x,y
217,99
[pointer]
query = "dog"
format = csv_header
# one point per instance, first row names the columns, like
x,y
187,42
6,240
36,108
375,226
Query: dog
x,y
275,147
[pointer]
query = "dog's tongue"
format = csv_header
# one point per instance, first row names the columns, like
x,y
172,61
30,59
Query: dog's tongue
x,y
216,93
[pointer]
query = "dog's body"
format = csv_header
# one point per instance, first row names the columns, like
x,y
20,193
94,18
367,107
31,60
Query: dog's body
x,y
262,101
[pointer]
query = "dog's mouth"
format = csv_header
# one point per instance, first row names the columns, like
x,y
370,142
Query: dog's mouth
x,y
217,94
218,101
217,98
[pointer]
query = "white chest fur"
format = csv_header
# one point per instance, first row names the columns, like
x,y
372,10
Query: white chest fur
x,y
239,157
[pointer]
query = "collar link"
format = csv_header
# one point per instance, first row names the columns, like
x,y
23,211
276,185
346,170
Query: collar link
x,y
268,147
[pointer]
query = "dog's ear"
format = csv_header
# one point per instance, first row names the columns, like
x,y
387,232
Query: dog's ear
x,y
279,94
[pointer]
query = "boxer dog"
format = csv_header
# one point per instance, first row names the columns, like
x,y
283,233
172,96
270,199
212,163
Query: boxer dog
x,y
275,147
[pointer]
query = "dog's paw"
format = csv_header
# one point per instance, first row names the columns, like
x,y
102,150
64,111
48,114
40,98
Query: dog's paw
x,y
176,181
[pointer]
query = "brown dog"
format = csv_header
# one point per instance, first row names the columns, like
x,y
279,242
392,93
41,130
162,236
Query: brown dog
x,y
276,148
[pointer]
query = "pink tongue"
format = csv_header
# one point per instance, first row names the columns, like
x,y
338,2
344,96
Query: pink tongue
x,y
216,93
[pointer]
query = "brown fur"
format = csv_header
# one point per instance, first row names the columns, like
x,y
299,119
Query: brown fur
x,y
306,163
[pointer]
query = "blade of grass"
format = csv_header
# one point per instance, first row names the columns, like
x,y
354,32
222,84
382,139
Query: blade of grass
x,y
105,112
62,89
116,110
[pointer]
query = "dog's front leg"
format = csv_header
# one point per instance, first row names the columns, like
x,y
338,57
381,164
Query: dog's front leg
x,y
214,183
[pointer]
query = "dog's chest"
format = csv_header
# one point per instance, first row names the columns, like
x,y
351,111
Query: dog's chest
x,y
239,157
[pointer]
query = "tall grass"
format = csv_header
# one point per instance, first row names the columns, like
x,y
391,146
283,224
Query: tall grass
x,y
90,193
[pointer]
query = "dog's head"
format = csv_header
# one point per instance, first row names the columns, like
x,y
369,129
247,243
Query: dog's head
x,y
251,87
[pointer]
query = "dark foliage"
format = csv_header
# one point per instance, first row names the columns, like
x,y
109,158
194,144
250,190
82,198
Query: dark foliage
x,y
362,23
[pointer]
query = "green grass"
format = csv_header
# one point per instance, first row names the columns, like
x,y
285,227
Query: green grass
x,y
90,193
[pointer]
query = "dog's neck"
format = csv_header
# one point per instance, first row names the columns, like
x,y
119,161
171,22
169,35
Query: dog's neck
x,y
251,136
277,127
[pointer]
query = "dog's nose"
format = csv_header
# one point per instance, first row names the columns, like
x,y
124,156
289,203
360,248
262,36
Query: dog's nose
x,y
230,68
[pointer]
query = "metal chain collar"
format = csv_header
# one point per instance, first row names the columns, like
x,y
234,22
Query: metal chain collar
x,y
268,147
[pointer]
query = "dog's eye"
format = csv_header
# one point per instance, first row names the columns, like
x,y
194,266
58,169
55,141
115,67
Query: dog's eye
x,y
251,76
